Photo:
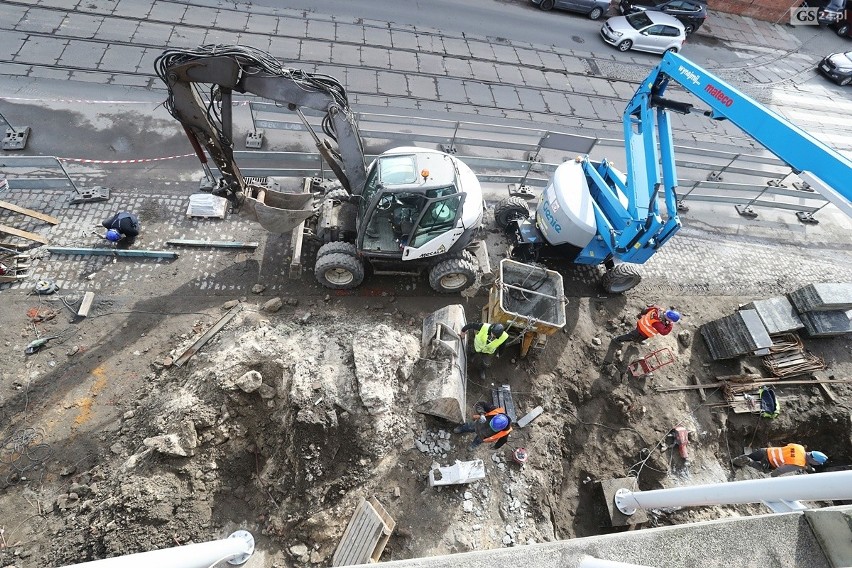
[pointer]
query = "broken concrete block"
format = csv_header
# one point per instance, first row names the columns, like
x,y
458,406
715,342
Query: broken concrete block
x,y
258,289
459,472
230,304
249,382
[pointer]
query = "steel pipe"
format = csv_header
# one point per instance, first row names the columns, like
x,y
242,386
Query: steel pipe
x,y
836,485
236,549
592,562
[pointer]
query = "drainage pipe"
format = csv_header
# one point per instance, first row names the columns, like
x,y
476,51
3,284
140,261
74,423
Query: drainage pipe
x,y
836,485
236,549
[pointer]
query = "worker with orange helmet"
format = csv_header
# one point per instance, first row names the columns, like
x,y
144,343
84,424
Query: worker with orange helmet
x,y
490,423
653,320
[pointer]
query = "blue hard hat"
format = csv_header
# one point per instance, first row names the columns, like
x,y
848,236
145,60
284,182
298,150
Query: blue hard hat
x,y
818,457
672,315
499,422
113,236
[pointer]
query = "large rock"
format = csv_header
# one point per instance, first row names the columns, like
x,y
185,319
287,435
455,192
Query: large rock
x,y
177,444
249,382
382,355
273,305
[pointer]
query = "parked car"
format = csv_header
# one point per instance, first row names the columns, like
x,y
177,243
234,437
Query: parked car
x,y
690,12
594,9
644,31
837,67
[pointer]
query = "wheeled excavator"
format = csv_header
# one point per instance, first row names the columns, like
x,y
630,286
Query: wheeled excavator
x,y
591,213
412,210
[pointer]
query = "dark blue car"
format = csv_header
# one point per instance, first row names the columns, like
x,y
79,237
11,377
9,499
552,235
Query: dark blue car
x,y
594,9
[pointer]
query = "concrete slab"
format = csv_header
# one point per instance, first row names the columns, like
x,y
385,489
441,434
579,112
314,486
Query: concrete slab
x,y
33,20
458,473
608,488
430,63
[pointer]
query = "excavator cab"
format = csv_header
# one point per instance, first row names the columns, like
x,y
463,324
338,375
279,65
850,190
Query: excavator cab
x,y
411,206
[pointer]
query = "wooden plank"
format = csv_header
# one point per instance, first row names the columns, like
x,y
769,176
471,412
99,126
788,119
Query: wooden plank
x,y
701,392
826,390
193,349
23,234
365,536
86,304
29,212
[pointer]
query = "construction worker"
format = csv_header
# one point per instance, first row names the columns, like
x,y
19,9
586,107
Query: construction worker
x,y
791,457
652,321
491,424
488,342
122,225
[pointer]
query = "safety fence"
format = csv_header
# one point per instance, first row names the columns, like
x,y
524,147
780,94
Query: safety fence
x,y
498,154
529,155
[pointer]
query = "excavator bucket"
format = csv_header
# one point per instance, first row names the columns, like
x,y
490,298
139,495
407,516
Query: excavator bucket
x,y
277,211
441,371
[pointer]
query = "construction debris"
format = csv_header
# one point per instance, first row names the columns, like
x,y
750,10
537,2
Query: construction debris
x,y
365,536
193,349
459,472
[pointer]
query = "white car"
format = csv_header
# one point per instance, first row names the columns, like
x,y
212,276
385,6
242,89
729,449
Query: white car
x,y
644,31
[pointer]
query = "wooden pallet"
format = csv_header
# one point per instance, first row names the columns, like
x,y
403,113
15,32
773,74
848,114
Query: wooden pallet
x,y
365,536
17,268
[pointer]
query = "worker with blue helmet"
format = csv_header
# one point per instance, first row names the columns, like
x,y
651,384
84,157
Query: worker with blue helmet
x,y
121,226
490,423
653,320
782,459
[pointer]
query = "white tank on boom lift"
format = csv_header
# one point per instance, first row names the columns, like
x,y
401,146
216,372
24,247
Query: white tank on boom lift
x,y
566,214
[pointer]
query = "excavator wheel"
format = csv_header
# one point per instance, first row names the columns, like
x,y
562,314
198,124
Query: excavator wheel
x,y
621,278
336,246
453,275
510,209
339,271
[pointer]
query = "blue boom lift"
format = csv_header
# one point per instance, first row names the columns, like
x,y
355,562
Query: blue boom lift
x,y
594,214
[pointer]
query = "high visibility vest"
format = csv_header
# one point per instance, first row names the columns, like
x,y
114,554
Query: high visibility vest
x,y
791,454
496,435
645,324
481,343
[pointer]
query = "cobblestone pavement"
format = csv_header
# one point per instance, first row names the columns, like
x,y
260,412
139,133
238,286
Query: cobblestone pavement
x,y
695,262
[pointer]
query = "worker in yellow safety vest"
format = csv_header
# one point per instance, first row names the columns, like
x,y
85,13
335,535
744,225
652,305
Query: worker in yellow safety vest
x,y
488,342
781,460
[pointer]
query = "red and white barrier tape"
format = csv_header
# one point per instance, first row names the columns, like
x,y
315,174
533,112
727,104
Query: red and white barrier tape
x,y
139,161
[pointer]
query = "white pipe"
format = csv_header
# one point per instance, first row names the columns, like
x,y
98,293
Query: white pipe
x,y
836,485
236,549
592,562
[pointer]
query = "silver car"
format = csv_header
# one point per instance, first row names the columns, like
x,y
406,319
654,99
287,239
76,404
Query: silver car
x,y
644,31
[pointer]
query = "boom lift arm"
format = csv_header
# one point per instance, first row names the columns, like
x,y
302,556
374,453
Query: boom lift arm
x,y
630,226
249,70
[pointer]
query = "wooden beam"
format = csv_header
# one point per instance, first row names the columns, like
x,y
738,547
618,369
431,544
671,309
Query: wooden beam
x,y
193,349
113,252
770,382
29,212
701,392
23,234
215,244
86,304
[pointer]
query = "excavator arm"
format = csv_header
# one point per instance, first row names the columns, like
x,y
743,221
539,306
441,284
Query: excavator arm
x,y
247,70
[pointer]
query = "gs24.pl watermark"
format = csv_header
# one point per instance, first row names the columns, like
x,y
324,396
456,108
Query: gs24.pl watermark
x,y
813,16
